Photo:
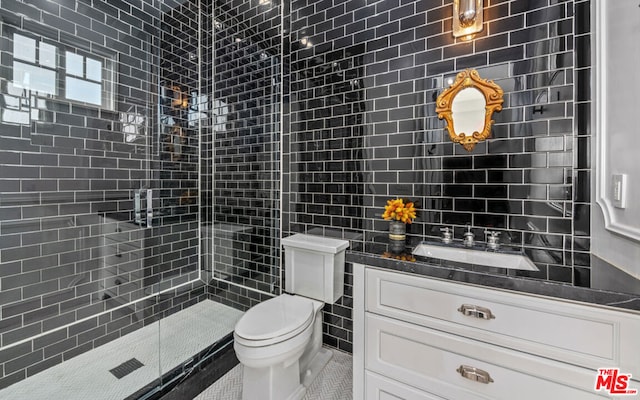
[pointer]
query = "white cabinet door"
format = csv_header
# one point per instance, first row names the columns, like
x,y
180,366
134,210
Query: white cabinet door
x,y
379,387
419,338
431,360
574,333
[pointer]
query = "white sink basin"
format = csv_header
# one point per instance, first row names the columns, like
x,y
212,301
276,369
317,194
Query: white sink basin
x,y
478,257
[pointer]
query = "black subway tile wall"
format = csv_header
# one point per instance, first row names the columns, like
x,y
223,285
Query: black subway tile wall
x,y
305,116
242,152
80,133
361,128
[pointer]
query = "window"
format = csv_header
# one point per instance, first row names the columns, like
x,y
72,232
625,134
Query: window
x,y
35,71
34,65
45,70
83,81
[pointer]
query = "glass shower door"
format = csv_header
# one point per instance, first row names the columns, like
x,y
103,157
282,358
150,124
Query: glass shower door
x,y
79,266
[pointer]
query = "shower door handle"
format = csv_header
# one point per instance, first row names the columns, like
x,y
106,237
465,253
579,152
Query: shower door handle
x,y
149,208
137,207
137,203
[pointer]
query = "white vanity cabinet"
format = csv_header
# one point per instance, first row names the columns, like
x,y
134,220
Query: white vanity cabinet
x,y
422,338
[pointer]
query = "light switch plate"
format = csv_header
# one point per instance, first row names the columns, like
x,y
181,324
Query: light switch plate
x,y
619,190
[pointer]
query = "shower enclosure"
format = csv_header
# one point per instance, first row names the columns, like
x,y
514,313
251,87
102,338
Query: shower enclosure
x,y
139,191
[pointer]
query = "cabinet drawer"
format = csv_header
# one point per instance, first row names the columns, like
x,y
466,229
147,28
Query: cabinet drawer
x,y
429,360
574,333
378,387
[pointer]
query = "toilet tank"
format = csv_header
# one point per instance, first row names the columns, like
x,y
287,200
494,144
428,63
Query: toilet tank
x,y
314,266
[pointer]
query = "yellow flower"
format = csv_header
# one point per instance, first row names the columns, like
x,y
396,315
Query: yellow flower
x,y
399,211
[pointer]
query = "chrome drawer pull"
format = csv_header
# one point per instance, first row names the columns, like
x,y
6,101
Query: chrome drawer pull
x,y
476,311
474,374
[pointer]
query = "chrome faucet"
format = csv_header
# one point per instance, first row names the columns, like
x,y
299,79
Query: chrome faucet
x,y
447,235
468,237
492,239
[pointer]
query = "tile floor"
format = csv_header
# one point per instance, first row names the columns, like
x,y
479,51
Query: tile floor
x,y
87,376
333,383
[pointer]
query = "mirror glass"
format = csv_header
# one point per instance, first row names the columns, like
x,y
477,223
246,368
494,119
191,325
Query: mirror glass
x,y
467,106
468,109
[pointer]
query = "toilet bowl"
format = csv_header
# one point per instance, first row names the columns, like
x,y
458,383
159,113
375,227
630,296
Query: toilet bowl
x,y
271,341
279,341
274,330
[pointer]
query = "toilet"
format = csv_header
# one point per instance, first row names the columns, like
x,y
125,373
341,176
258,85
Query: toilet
x,y
279,341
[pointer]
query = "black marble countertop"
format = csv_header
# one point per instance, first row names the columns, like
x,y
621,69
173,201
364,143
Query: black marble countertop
x,y
499,278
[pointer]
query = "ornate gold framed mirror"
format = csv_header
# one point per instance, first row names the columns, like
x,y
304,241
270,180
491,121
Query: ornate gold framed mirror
x,y
468,106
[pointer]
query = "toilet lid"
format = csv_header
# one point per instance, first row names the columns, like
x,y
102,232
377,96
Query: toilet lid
x,y
280,317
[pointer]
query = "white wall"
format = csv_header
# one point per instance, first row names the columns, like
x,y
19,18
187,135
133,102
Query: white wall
x,y
613,248
615,231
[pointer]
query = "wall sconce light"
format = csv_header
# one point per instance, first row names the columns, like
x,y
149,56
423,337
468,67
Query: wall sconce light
x,y
467,18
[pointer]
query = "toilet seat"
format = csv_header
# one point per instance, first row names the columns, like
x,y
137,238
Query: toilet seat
x,y
275,320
